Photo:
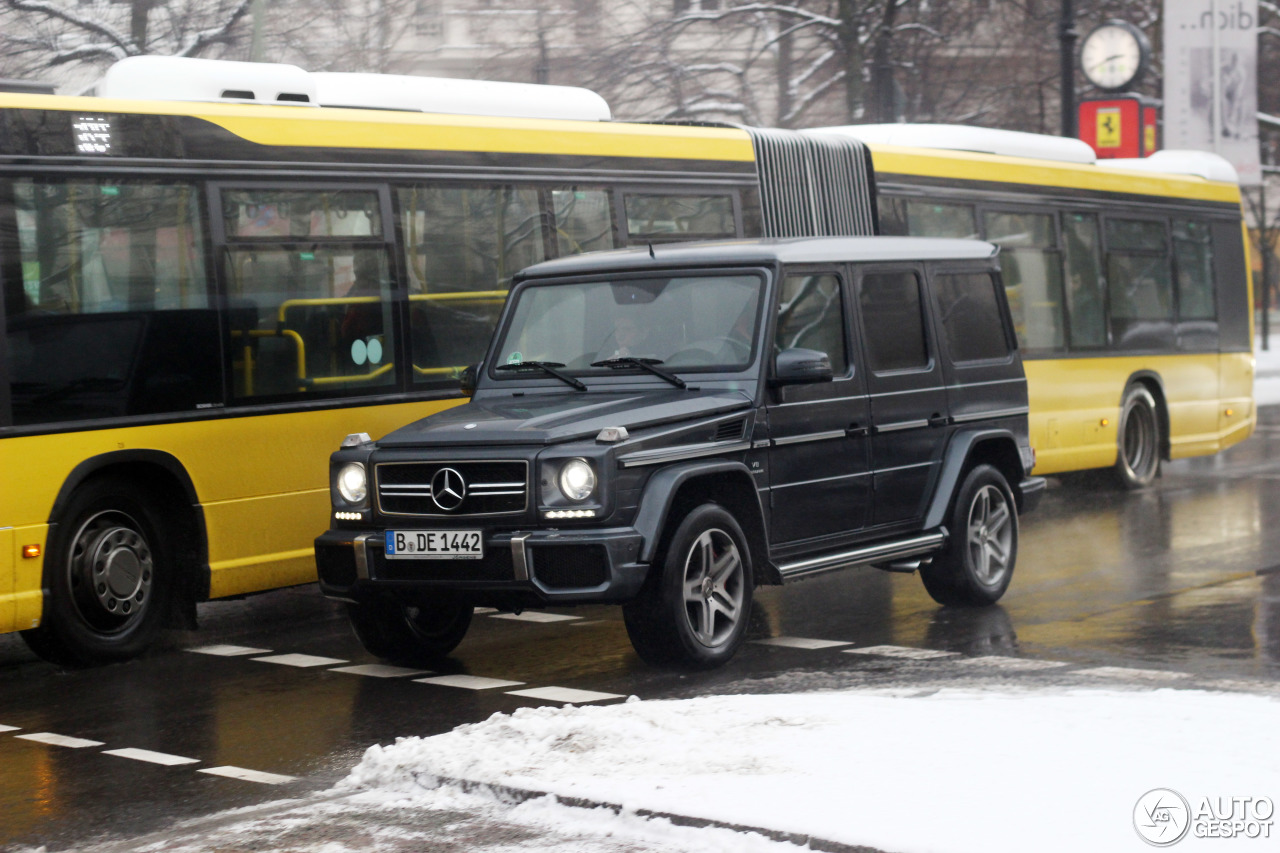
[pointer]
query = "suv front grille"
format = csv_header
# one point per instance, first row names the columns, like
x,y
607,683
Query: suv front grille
x,y
465,488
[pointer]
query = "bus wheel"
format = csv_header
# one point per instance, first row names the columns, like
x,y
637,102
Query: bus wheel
x,y
410,632
108,577
1138,452
976,565
693,609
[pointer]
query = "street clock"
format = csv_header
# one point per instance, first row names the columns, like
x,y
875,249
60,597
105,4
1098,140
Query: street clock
x,y
1114,55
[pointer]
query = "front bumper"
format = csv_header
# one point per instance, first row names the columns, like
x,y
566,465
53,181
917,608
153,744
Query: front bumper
x,y
549,566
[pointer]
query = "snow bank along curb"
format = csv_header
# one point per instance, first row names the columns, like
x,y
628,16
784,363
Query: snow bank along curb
x,y
515,796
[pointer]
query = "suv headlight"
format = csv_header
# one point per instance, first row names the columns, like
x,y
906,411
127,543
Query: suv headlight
x,y
353,483
577,480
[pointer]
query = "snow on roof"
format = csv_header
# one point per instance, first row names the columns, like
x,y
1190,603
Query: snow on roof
x,y
174,78
959,137
1174,161
459,97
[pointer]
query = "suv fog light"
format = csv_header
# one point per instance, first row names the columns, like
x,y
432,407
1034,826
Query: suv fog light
x,y
353,484
577,480
570,513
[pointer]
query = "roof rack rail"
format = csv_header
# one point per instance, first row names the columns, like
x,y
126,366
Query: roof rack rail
x,y
26,87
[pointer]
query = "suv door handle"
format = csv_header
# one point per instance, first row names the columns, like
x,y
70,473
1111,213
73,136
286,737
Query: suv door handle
x,y
855,431
938,420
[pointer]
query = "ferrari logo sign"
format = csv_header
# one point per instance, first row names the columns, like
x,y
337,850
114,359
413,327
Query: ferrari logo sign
x,y
1108,119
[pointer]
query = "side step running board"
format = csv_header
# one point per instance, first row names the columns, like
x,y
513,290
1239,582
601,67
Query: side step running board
x,y
878,553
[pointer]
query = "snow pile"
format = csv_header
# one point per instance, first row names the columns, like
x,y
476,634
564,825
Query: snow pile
x,y
955,770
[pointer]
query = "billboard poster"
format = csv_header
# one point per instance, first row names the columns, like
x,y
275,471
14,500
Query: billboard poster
x,y
1191,87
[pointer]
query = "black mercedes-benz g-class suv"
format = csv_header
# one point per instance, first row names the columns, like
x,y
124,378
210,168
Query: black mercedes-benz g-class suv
x,y
665,429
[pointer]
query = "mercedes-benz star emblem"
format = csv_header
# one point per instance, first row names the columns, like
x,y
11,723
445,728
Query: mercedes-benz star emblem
x,y
448,489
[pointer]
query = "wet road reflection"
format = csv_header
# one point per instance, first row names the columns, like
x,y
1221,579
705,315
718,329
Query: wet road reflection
x,y
1184,576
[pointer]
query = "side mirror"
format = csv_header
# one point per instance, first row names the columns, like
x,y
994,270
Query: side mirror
x,y
467,379
801,366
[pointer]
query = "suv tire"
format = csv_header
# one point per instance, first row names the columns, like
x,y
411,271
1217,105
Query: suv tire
x,y
1137,439
976,565
410,632
693,612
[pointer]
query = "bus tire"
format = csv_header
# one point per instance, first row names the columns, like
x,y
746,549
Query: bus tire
x,y
693,609
410,632
109,575
975,566
1137,440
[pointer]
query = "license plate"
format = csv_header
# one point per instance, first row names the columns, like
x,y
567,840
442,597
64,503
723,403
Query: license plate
x,y
435,544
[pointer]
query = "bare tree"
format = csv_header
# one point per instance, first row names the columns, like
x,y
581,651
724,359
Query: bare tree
x,y
53,33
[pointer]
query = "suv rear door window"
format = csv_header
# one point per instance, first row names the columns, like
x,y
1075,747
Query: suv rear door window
x,y
893,321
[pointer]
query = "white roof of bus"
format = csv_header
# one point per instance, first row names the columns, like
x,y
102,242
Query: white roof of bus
x,y
1013,143
174,78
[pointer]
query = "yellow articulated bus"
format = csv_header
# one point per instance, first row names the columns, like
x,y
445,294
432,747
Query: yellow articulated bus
x,y
1129,282
203,295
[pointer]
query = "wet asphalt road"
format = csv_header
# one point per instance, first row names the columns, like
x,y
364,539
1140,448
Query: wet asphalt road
x,y
1181,579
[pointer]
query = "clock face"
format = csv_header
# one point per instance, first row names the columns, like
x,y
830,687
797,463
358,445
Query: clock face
x,y
1111,56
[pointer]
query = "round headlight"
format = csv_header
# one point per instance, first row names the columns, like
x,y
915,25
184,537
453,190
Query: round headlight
x,y
577,480
353,485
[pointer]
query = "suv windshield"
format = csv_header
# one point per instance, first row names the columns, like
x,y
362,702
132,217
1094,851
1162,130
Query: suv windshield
x,y
683,322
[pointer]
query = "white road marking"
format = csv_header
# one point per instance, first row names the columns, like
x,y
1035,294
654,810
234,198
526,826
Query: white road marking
x,y
151,757
589,622
901,652
60,740
380,670
999,662
801,643
10,728
300,660
534,616
564,694
228,651
468,682
486,610
247,775
1139,674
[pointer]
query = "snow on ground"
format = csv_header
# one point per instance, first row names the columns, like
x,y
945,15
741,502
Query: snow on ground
x,y
953,770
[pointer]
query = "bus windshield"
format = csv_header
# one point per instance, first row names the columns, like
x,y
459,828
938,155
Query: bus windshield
x,y
685,322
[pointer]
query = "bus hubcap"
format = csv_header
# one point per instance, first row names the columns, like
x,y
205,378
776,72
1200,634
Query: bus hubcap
x,y
111,570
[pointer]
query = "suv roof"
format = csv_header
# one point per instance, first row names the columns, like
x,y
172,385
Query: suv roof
x,y
799,250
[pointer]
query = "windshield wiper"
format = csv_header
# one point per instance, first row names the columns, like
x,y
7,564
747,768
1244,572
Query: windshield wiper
x,y
649,364
547,367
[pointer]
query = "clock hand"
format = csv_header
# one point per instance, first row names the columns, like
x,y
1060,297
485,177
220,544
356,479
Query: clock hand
x,y
1105,61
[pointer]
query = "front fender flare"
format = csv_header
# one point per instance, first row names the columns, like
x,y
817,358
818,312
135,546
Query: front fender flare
x,y
660,492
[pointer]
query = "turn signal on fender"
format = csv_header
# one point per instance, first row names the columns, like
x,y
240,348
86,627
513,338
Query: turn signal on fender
x,y
30,552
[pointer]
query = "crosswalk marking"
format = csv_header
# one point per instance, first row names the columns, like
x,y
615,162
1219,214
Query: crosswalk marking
x,y
564,694
228,651
801,643
901,652
1000,662
151,757
247,775
380,670
535,616
60,740
303,661
10,728
468,682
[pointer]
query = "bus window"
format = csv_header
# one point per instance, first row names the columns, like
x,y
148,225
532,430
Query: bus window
x,y
1032,268
927,219
462,246
893,321
1086,298
893,216
655,218
1139,290
584,220
1193,264
308,289
114,316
